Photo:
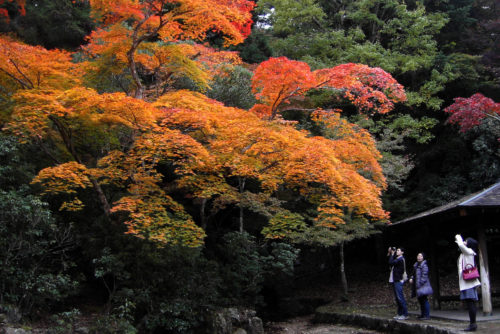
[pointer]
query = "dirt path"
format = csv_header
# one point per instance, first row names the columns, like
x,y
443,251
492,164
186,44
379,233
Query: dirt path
x,y
303,325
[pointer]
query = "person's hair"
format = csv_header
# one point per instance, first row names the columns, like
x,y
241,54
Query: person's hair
x,y
401,248
472,243
423,254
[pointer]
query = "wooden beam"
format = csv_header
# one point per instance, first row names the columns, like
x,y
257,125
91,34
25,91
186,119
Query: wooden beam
x,y
484,270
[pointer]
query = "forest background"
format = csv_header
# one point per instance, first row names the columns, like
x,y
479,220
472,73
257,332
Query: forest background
x,y
164,159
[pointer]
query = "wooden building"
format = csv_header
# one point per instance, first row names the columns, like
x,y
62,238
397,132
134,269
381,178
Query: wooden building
x,y
476,215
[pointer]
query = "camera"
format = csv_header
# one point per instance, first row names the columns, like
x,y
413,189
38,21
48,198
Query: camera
x,y
393,248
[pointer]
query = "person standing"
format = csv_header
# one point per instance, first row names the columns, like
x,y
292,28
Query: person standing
x,y
397,262
468,291
422,286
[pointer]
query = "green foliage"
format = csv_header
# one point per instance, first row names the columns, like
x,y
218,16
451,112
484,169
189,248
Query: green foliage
x,y
418,130
486,148
111,270
33,262
65,322
453,165
460,14
279,265
13,171
282,224
53,23
289,16
354,228
105,78
169,289
242,272
233,88
120,321
393,133
248,266
109,264
256,48
378,33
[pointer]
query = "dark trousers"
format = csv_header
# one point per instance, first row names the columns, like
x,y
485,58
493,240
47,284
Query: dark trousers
x,y
400,298
425,307
471,307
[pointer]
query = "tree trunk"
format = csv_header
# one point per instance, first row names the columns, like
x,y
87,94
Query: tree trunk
x,y
241,219
139,88
67,138
241,187
342,271
484,269
202,214
136,40
102,198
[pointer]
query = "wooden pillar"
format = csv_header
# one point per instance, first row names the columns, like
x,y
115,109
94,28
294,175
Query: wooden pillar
x,y
484,270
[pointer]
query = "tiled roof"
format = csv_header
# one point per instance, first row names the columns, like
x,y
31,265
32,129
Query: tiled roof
x,y
489,197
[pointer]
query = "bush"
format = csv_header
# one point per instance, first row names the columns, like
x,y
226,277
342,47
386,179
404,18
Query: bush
x,y
233,88
168,289
32,262
248,267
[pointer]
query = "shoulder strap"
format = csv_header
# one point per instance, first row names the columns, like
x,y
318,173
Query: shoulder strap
x,y
473,262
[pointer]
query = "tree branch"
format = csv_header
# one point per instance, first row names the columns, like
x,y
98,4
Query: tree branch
x,y
22,83
20,72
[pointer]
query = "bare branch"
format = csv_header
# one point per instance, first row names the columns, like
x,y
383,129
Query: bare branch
x,y
20,72
22,83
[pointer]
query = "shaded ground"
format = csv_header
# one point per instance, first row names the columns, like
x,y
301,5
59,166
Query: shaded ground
x,y
370,289
372,297
304,325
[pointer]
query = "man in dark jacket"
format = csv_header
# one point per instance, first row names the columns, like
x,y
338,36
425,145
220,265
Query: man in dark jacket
x,y
398,270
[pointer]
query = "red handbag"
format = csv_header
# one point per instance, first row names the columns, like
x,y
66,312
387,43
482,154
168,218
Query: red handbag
x,y
469,272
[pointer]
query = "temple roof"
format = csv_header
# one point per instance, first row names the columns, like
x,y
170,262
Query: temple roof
x,y
489,197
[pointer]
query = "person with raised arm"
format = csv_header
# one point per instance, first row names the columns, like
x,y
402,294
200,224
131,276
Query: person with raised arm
x,y
468,291
397,262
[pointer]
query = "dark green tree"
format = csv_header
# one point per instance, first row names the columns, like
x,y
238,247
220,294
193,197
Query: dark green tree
x,y
233,87
380,33
52,23
35,262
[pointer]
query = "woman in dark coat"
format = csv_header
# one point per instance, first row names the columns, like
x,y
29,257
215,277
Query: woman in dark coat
x,y
422,285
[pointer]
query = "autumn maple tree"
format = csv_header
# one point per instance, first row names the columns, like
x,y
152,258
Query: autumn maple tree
x,y
469,112
93,130
331,174
128,27
278,80
218,157
24,67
